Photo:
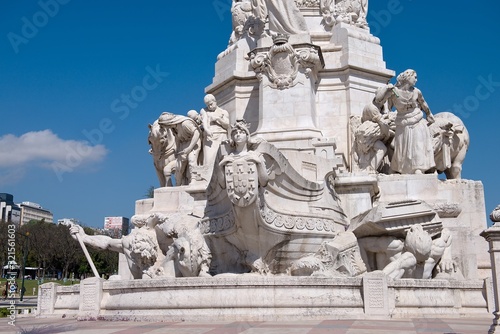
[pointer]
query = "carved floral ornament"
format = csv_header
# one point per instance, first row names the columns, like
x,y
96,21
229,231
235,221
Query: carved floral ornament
x,y
447,210
282,62
223,224
303,223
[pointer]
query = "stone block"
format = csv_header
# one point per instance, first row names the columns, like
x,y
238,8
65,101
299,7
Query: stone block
x,y
90,298
46,299
375,294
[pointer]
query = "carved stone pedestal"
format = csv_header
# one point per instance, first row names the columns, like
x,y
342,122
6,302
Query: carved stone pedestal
x,y
186,199
357,192
287,100
492,235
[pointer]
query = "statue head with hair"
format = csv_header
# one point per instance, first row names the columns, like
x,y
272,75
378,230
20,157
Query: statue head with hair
x,y
405,77
168,119
418,242
240,125
210,102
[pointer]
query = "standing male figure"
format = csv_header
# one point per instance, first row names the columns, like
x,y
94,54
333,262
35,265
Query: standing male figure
x,y
215,122
188,144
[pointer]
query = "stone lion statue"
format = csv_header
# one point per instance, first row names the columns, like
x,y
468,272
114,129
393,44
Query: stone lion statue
x,y
451,142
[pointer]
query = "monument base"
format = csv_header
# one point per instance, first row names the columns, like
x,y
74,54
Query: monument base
x,y
273,298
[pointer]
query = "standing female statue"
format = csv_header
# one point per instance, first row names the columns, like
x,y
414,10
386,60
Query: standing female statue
x,y
284,16
413,150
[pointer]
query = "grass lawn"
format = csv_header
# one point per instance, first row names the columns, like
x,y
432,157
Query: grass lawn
x,y
31,285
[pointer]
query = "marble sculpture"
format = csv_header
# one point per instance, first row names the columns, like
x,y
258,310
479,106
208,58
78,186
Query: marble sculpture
x,y
262,215
348,11
412,144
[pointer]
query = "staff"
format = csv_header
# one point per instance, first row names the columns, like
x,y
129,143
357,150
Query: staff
x,y
84,248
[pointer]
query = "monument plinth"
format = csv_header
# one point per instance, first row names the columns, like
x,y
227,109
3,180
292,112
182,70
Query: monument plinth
x,y
288,75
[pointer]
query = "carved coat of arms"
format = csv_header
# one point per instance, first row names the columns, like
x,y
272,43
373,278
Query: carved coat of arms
x,y
242,181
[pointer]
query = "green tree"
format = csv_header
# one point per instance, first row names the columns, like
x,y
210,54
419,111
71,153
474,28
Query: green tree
x,y
150,193
3,243
69,252
52,249
41,244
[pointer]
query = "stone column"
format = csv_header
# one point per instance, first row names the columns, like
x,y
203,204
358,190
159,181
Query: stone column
x,y
287,100
492,235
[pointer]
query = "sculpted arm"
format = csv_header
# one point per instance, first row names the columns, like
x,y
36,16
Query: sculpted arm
x,y
397,268
425,107
441,248
224,119
205,122
381,244
97,241
194,139
384,249
382,95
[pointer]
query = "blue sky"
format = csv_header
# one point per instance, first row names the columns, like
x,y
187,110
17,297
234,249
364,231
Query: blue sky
x,y
71,141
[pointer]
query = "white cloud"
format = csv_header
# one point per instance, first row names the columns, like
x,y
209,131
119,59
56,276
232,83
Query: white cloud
x,y
44,148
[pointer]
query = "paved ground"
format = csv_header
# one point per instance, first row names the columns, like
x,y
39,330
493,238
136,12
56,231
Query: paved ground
x,y
31,325
27,301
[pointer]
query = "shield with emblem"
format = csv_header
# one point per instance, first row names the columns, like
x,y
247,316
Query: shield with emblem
x,y
242,181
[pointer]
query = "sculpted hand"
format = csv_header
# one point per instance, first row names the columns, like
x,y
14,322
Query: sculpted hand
x,y
254,158
446,266
76,229
430,119
182,155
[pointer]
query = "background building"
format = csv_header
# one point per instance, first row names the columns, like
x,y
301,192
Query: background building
x,y
9,211
115,227
34,211
68,221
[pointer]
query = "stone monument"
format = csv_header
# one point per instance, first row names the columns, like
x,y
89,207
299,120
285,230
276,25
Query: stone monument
x,y
307,174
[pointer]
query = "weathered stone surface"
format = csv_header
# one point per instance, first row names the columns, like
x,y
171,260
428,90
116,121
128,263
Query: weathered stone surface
x,y
253,298
297,194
